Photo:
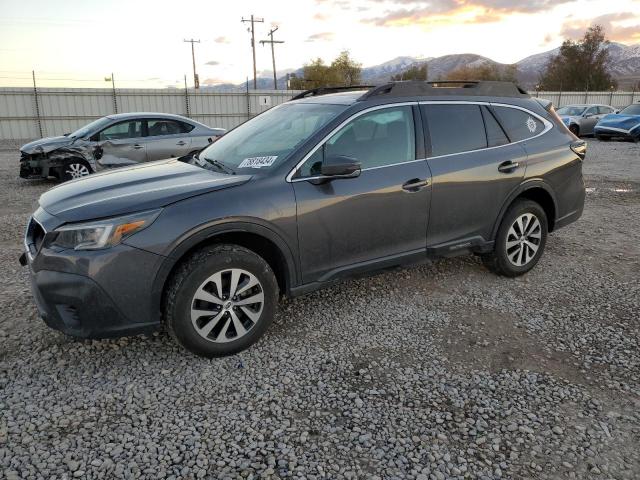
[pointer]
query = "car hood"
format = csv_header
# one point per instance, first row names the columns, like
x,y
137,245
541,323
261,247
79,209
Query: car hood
x,y
46,145
569,118
133,189
619,120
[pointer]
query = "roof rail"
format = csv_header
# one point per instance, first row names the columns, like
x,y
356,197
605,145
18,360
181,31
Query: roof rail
x,y
314,92
473,88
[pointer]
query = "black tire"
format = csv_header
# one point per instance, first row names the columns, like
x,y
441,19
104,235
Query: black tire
x,y
498,261
188,279
74,168
575,130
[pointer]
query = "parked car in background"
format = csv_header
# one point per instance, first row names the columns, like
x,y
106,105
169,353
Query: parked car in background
x,y
581,119
115,141
625,124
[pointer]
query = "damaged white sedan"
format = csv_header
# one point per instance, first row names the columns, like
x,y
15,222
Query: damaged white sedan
x,y
115,141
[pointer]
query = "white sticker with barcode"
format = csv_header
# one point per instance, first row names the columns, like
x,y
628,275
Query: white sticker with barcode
x,y
258,162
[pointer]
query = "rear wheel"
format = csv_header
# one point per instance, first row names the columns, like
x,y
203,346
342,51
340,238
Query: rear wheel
x,y
221,301
75,168
520,240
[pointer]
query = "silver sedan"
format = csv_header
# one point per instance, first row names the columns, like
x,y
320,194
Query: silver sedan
x,y
581,119
114,141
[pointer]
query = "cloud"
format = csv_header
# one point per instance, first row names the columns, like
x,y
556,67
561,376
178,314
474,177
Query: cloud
x,y
629,32
320,37
415,12
222,39
212,81
212,62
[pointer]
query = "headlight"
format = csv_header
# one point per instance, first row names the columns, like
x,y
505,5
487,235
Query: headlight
x,y
102,233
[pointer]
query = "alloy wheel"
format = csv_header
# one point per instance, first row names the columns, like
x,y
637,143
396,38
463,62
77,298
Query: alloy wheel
x,y
523,239
76,170
227,305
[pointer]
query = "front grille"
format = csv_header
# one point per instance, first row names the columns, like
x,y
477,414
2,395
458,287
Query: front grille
x,y
34,236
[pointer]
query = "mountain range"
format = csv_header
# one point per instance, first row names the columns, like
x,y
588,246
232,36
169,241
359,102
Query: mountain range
x,y
624,66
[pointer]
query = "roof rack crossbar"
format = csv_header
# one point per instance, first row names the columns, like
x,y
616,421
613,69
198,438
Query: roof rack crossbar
x,y
314,92
446,87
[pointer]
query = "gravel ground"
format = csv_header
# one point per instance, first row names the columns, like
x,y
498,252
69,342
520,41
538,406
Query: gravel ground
x,y
438,371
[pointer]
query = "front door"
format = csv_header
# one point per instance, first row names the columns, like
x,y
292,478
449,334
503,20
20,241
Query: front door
x,y
378,216
121,144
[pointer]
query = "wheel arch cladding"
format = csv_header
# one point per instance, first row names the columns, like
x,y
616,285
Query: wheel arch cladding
x,y
260,244
538,192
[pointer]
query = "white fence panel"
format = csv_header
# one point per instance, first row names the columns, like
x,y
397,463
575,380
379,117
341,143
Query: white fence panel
x,y
62,110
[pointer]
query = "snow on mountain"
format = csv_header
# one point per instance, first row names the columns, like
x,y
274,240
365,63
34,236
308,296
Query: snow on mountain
x,y
625,66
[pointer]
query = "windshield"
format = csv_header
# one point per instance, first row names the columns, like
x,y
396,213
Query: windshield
x,y
269,138
631,110
91,128
571,111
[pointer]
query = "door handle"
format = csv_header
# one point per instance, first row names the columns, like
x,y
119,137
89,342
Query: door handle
x,y
415,184
181,143
508,166
137,146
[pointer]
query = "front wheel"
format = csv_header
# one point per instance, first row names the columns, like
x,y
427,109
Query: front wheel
x,y
74,168
221,301
520,240
575,130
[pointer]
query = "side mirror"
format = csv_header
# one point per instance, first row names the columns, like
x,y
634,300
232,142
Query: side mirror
x,y
589,115
340,166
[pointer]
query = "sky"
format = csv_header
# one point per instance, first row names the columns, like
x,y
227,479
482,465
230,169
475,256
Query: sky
x,y
80,42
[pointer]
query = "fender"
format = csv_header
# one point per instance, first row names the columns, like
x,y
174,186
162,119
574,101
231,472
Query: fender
x,y
210,230
528,184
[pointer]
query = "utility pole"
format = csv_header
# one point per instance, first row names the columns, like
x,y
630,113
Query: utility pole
x,y
273,55
196,81
253,44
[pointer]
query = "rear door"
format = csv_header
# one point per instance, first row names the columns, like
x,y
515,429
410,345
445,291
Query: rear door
x,y
166,138
475,166
121,144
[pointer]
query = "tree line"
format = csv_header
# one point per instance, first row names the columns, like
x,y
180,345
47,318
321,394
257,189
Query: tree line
x,y
581,65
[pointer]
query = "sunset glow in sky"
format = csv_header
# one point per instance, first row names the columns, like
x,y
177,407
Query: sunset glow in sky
x,y
79,42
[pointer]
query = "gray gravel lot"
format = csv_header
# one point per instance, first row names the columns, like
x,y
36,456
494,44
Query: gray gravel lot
x,y
438,371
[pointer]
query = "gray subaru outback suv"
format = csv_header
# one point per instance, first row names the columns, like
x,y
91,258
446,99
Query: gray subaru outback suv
x,y
329,185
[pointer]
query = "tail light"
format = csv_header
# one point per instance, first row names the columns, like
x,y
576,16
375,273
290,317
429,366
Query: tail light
x,y
579,147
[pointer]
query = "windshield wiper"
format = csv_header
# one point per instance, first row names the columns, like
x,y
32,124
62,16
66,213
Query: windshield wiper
x,y
216,163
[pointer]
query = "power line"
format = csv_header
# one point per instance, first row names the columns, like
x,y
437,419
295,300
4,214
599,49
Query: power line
x,y
253,45
273,54
196,81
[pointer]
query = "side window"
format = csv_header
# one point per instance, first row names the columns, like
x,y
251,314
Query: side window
x,y
495,133
164,127
122,130
518,124
604,110
375,139
591,111
186,127
455,128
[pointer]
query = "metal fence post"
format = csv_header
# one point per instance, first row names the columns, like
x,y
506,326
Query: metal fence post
x,y
186,98
559,98
248,102
36,103
113,91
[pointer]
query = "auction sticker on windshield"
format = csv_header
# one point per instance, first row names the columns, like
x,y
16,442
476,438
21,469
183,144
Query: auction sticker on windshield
x,y
258,162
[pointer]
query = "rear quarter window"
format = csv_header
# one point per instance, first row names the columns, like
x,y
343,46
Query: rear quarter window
x,y
519,125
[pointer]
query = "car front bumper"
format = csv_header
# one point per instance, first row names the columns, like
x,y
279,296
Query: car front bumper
x,y
95,294
613,132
